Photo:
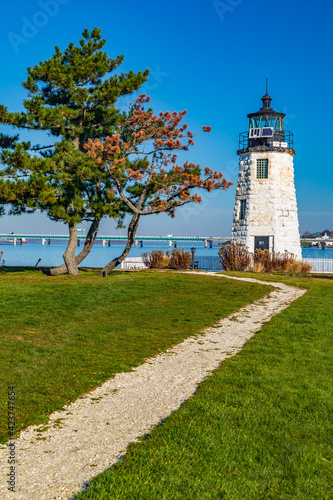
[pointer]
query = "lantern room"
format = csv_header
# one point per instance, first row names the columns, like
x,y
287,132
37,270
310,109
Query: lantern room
x,y
266,131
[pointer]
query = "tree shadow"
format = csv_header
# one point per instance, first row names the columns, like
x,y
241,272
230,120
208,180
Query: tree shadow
x,y
47,270
20,269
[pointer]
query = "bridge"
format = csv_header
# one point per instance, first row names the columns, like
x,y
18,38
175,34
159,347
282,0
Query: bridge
x,y
107,239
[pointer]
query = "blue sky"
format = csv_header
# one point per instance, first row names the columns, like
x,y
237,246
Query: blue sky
x,y
210,58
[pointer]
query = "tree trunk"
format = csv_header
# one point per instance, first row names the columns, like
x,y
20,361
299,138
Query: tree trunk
x,y
88,244
69,255
132,228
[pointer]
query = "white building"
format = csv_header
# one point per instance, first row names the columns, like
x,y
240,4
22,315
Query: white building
x,y
265,214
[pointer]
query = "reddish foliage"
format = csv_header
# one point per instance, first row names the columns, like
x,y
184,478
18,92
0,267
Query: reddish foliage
x,y
143,165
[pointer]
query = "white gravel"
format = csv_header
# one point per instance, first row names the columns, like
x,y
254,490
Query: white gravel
x,y
96,429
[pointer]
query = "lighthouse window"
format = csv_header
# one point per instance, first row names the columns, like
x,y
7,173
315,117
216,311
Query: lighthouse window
x,y
272,121
254,122
242,209
262,169
264,122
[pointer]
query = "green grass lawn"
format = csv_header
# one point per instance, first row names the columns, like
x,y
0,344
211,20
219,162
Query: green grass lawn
x,y
62,336
259,428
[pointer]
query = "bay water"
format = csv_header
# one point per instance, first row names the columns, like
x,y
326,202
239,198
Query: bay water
x,y
29,253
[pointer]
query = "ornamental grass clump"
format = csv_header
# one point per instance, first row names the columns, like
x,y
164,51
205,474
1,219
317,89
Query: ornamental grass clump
x,y
265,261
234,257
306,267
298,267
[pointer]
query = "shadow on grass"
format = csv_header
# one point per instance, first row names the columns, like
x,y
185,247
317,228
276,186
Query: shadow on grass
x,y
19,269
46,270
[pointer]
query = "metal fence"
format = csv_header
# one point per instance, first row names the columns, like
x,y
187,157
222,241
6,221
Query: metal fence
x,y
207,263
321,265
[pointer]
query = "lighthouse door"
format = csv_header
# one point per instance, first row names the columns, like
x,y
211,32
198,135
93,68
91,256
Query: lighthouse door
x,y
261,242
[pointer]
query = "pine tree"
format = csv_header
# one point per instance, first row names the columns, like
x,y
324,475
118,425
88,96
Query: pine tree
x,y
72,96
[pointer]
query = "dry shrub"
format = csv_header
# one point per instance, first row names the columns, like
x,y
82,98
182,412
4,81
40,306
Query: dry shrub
x,y
279,261
258,267
264,261
180,258
306,267
293,266
234,257
154,259
271,261
165,260
298,266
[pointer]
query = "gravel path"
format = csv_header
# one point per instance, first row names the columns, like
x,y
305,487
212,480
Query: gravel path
x,y
96,429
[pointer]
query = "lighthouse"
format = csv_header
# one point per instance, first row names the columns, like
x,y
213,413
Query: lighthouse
x,y
265,214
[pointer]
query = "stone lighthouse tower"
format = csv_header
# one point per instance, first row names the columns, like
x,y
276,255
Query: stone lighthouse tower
x,y
265,214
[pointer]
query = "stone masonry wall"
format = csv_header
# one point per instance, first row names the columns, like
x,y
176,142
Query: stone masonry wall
x,y
271,208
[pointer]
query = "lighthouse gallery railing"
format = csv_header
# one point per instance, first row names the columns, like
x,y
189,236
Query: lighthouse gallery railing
x,y
288,139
